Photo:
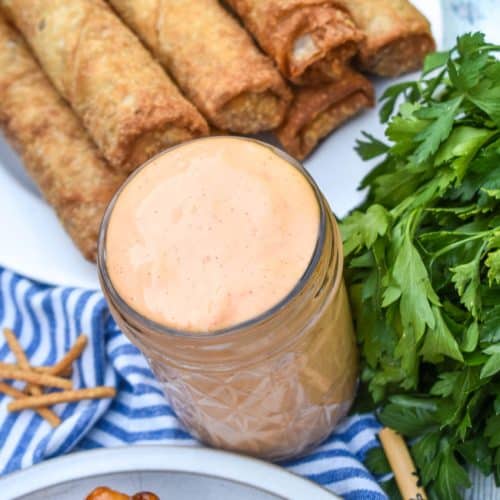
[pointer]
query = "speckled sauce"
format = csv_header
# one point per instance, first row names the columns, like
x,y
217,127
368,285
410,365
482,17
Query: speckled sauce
x,y
222,223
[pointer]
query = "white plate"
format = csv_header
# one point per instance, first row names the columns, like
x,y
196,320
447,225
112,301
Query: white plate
x,y
33,243
169,471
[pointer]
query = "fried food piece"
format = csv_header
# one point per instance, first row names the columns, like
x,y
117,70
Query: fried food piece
x,y
127,103
103,493
397,35
55,148
311,41
317,111
145,495
213,60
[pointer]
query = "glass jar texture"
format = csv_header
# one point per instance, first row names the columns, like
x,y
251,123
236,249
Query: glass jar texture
x,y
274,386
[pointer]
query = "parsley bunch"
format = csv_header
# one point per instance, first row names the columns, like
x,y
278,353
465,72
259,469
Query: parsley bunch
x,y
423,267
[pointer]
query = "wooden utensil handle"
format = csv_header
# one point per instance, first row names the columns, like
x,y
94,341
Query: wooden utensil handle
x,y
404,469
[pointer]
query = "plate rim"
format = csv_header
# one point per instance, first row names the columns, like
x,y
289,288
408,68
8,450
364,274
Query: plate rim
x,y
219,464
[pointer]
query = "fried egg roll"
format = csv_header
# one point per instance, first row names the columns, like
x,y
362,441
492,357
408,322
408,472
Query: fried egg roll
x,y
317,111
213,60
127,103
56,150
311,41
397,35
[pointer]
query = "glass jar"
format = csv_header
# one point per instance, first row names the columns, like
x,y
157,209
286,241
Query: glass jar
x,y
274,386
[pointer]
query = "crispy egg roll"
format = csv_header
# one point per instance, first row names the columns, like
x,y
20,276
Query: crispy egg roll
x,y
57,152
213,60
397,35
311,41
317,111
127,103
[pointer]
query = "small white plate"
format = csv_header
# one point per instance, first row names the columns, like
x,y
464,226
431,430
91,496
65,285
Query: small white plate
x,y
33,243
180,473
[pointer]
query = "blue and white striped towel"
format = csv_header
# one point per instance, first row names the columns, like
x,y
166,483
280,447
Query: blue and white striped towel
x,y
47,321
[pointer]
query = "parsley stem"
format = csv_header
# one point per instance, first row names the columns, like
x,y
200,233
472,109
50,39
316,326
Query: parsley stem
x,y
414,402
457,244
487,48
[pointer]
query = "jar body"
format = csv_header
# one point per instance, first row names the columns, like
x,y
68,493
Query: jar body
x,y
273,388
276,408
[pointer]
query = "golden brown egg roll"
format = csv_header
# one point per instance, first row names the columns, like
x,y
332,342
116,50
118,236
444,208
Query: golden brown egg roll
x,y
213,60
397,35
311,41
317,111
57,152
127,103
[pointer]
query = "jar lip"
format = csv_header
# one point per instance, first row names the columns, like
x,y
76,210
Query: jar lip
x,y
149,324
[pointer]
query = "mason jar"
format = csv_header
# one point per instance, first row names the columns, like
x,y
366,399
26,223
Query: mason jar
x,y
273,386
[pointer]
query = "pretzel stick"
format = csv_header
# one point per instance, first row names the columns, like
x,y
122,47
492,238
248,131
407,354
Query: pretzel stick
x,y
49,369
47,414
12,372
38,369
53,398
73,354
63,366
21,358
402,465
16,348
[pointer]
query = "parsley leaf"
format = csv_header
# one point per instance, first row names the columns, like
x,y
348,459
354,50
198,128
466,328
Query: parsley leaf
x,y
451,477
432,136
363,229
466,278
493,265
409,276
391,96
370,148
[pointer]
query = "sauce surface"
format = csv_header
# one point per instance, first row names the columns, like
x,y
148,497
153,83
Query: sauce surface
x,y
211,234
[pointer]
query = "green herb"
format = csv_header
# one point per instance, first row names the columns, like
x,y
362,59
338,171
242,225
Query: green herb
x,y
423,266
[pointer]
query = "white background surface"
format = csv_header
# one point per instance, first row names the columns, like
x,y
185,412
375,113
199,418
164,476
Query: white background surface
x,y
33,243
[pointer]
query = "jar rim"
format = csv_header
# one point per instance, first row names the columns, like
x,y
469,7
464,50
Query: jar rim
x,y
125,308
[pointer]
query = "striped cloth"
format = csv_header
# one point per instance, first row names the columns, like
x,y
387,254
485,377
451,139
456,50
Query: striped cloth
x,y
47,321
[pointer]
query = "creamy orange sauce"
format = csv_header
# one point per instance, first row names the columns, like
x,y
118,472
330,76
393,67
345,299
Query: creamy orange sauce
x,y
211,234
